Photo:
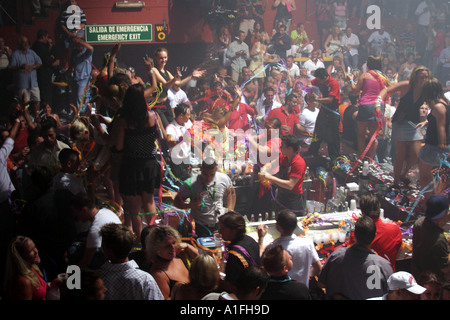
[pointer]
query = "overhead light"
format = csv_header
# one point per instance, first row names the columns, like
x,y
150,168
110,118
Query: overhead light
x,y
130,4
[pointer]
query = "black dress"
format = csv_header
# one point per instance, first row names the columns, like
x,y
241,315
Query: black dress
x,y
165,110
139,171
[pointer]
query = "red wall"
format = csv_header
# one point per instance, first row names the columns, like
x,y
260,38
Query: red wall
x,y
184,18
188,33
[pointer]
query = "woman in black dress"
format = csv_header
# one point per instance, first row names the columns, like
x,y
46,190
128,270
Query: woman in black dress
x,y
134,135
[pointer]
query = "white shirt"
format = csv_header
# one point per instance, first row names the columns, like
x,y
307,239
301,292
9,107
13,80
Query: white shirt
x,y
294,71
307,120
176,97
6,186
352,40
377,40
424,16
260,107
183,149
303,255
447,95
311,67
103,216
212,196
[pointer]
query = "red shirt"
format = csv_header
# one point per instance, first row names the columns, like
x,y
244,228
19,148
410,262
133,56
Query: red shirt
x,y
296,169
287,119
329,89
20,141
388,240
274,143
239,119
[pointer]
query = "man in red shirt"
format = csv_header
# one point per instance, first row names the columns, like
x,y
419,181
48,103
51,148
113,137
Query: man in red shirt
x,y
240,117
388,239
290,176
264,147
287,115
327,123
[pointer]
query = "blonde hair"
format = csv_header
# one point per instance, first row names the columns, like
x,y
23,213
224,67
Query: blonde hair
x,y
157,236
77,130
415,72
204,274
16,265
275,73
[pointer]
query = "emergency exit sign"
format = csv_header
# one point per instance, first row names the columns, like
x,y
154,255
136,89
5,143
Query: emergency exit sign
x,y
113,33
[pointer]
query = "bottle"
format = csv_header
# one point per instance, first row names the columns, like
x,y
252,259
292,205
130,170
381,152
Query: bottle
x,y
307,174
364,178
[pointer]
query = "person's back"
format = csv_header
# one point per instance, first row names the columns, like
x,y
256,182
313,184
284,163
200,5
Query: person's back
x,y
125,281
370,91
104,216
241,253
388,240
348,271
140,144
357,272
122,277
285,288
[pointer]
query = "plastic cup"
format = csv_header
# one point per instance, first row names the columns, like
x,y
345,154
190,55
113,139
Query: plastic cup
x,y
352,204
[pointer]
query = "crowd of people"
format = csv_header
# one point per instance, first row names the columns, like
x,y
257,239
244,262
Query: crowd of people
x,y
84,185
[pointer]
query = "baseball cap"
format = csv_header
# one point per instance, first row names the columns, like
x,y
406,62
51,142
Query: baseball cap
x,y
437,206
404,280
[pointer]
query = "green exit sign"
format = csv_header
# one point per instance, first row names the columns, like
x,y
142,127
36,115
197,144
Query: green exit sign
x,y
113,33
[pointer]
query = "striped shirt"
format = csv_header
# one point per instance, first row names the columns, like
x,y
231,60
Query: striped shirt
x,y
76,15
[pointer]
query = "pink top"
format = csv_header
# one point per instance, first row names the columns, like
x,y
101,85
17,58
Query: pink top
x,y
370,91
40,293
339,10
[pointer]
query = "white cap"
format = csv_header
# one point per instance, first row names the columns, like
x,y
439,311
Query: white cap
x,y
404,280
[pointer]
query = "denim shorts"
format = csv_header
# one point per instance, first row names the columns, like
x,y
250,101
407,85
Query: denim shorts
x,y
405,131
366,112
430,155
